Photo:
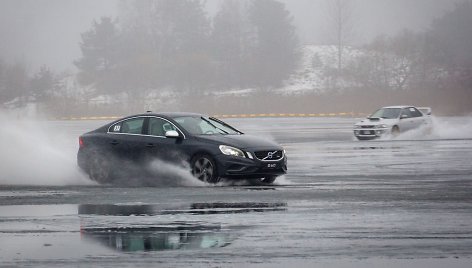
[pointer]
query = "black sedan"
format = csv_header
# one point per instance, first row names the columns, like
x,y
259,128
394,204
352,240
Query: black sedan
x,y
212,148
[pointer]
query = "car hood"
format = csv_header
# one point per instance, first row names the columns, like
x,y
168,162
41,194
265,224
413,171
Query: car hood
x,y
376,121
241,141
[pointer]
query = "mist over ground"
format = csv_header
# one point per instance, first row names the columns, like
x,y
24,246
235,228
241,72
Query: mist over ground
x,y
37,152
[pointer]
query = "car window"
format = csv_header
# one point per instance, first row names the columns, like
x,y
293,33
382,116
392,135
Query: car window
x,y
191,124
207,128
223,126
406,113
387,113
415,112
204,126
116,128
132,126
159,127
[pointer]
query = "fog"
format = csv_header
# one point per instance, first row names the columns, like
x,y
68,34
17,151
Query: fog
x,y
370,17
65,58
48,32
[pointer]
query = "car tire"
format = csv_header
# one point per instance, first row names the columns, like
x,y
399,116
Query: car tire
x,y
268,179
100,169
204,168
395,131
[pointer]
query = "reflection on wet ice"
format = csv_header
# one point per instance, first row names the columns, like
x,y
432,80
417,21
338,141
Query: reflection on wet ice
x,y
160,236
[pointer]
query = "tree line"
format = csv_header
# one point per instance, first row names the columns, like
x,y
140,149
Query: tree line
x,y
17,87
437,58
174,44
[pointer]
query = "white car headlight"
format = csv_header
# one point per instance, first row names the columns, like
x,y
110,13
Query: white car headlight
x,y
228,150
382,126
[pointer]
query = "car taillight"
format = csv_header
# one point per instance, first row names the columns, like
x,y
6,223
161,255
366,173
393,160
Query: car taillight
x,y
81,142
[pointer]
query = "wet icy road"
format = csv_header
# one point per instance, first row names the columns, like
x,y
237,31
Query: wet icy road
x,y
344,203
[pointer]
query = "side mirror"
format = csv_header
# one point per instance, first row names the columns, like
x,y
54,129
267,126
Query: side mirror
x,y
403,116
172,134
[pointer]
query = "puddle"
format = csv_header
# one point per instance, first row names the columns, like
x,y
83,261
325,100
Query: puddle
x,y
176,236
194,208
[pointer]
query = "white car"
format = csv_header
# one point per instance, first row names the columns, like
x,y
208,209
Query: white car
x,y
392,120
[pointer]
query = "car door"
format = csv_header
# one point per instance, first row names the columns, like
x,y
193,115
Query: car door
x,y
417,117
407,121
125,138
157,145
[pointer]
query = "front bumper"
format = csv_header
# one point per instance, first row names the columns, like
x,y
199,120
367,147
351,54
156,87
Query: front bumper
x,y
370,133
245,168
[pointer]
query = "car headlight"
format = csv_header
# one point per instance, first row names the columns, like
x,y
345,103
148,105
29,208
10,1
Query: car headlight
x,y
381,126
228,150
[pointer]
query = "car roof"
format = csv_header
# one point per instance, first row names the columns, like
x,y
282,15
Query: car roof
x,y
166,114
399,106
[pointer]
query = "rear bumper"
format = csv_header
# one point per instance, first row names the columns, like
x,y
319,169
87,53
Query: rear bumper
x,y
245,168
82,160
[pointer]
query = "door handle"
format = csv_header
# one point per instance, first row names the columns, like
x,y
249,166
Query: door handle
x,y
150,145
114,142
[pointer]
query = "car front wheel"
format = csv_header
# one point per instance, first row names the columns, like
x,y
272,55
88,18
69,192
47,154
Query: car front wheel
x,y
268,180
204,169
395,131
263,181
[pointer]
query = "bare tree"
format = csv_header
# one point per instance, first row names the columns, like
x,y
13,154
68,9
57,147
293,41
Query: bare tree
x,y
341,20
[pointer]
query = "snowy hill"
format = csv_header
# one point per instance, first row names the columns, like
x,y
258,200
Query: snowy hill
x,y
312,76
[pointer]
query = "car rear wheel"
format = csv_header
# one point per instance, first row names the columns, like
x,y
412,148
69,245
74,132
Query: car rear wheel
x,y
204,169
100,169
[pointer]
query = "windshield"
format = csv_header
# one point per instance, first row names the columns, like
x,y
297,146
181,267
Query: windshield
x,y
387,113
205,126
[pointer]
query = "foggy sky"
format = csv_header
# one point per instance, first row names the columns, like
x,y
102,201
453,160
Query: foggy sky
x,y
39,32
370,17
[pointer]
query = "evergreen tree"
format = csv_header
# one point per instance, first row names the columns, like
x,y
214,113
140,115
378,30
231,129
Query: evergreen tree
x,y
15,84
99,55
275,55
228,39
170,37
254,43
42,84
